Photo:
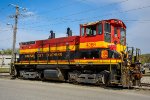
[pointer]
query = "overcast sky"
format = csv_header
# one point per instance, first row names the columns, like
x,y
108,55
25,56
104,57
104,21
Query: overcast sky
x,y
42,16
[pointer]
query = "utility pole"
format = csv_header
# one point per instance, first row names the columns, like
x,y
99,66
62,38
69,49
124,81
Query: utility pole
x,y
14,38
14,34
16,16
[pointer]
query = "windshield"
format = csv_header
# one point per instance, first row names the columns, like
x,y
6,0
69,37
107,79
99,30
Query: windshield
x,y
91,30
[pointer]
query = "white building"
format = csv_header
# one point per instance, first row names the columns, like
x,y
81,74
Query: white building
x,y
147,65
5,60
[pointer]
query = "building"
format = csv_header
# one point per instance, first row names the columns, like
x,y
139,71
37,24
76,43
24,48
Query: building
x,y
5,60
147,65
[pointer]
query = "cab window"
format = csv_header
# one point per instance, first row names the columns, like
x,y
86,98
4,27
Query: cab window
x,y
107,32
123,36
100,28
107,28
115,32
82,31
91,30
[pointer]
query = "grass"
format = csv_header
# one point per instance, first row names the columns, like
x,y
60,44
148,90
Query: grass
x,y
4,70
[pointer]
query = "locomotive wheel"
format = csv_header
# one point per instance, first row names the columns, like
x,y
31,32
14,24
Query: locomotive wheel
x,y
42,77
105,77
98,83
74,81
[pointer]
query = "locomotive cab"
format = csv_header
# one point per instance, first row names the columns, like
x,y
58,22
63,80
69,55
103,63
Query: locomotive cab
x,y
103,34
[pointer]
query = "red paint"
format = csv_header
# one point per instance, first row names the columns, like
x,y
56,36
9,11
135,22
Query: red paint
x,y
75,40
112,47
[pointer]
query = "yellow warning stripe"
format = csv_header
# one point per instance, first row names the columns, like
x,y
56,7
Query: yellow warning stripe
x,y
98,44
114,61
101,44
86,45
52,49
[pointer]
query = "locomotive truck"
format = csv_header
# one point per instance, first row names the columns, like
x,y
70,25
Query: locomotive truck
x,y
99,55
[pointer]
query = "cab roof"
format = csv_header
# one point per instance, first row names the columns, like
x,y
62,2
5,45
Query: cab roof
x,y
112,21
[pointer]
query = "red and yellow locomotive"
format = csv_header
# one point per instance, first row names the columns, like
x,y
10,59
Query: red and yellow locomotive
x,y
97,56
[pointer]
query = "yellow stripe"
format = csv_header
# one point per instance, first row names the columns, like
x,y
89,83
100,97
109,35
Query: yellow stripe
x,y
52,49
97,61
75,62
88,45
101,44
120,48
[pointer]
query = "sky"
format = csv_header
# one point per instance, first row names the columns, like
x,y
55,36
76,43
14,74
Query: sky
x,y
41,16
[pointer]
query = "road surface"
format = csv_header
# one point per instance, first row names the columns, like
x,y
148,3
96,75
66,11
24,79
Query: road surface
x,y
37,90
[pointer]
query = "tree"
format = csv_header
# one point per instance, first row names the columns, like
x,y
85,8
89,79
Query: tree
x,y
145,58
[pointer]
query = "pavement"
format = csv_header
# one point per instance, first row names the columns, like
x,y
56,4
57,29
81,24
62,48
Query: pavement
x,y
145,80
37,90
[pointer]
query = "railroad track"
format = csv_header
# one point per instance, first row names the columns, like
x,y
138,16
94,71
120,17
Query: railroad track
x,y
8,76
5,75
145,84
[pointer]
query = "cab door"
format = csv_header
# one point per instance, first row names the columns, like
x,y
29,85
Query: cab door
x,y
116,35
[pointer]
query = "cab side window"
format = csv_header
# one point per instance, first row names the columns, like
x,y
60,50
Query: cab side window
x,y
100,28
123,36
107,32
107,28
115,32
82,31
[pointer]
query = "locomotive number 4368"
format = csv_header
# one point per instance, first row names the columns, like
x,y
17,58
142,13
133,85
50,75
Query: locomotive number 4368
x,y
91,44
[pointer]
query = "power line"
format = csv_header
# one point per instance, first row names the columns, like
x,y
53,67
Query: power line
x,y
30,29
138,20
127,21
90,10
2,9
117,12
4,30
58,8
87,11
78,20
6,39
55,9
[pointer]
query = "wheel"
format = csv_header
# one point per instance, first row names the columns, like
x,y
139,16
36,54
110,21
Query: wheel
x,y
105,77
72,77
42,77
